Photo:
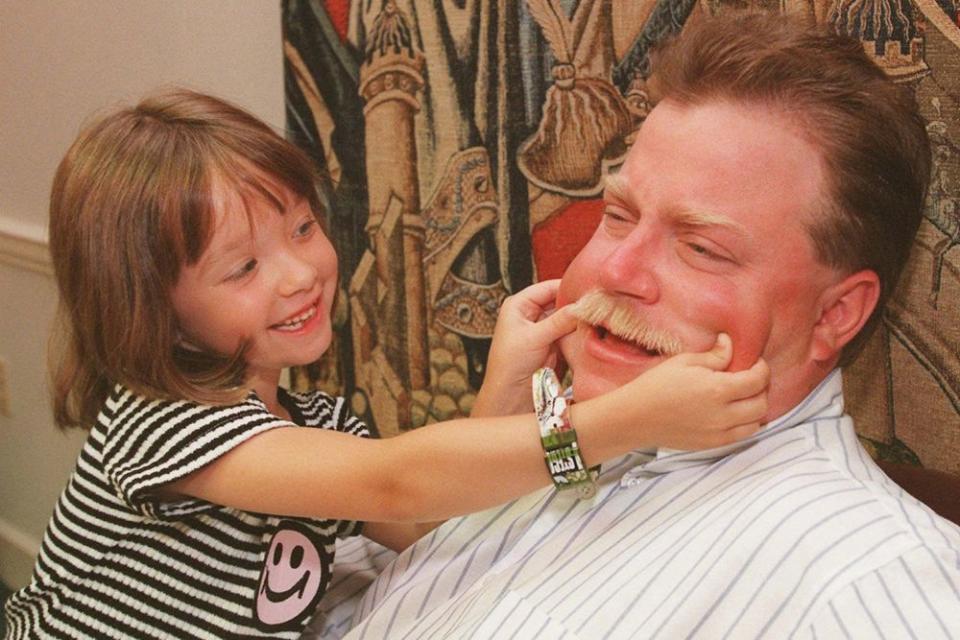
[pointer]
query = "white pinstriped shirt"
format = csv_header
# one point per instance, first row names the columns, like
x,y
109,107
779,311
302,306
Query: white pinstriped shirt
x,y
792,533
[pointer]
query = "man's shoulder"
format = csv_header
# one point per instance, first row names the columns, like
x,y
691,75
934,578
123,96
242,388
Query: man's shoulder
x,y
808,474
831,479
915,594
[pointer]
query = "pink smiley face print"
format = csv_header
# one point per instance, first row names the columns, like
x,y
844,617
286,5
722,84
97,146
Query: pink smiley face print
x,y
294,576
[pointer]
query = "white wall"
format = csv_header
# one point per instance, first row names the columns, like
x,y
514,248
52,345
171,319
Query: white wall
x,y
60,61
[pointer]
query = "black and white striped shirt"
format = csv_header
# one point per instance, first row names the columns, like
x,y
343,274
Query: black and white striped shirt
x,y
793,533
118,562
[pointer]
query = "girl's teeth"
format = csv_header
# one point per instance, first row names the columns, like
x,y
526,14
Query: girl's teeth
x,y
297,322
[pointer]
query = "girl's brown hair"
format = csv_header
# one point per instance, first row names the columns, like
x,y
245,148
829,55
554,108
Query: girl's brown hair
x,y
132,202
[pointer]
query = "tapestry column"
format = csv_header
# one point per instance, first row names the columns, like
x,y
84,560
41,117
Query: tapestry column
x,y
390,78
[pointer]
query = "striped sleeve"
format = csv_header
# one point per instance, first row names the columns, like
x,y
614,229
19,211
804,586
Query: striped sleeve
x,y
149,443
915,596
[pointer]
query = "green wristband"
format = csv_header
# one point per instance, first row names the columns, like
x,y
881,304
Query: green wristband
x,y
561,451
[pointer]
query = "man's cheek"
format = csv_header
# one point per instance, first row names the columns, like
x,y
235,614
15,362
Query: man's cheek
x,y
742,358
579,278
748,345
719,312
565,295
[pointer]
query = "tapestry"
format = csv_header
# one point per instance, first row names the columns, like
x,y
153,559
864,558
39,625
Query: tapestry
x,y
467,141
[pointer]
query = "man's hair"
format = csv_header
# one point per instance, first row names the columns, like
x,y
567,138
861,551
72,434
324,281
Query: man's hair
x,y
132,203
873,142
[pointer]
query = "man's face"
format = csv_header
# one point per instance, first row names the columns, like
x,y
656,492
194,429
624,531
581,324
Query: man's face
x,y
703,233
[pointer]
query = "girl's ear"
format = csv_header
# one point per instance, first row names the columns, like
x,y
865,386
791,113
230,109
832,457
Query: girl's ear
x,y
844,308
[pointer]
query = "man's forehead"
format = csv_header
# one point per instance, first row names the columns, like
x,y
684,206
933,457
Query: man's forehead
x,y
616,187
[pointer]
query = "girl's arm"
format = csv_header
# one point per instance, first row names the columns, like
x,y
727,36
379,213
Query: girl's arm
x,y
465,465
398,535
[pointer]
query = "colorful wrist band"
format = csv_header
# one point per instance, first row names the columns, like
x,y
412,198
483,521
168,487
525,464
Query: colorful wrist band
x,y
561,451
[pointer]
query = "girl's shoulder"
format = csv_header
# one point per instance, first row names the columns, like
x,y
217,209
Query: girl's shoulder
x,y
127,409
125,403
131,416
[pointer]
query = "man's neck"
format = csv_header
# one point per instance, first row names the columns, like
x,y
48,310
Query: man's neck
x,y
789,388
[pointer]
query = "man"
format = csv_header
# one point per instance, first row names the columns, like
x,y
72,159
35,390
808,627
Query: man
x,y
772,194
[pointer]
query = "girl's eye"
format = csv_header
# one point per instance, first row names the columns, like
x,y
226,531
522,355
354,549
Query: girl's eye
x,y
246,268
305,228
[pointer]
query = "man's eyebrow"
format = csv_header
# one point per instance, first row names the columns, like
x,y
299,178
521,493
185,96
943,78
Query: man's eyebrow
x,y
615,185
700,218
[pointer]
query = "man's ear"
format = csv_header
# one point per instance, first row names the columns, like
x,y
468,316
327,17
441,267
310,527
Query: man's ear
x,y
844,308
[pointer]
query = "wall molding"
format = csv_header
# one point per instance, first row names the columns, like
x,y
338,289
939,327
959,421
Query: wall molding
x,y
19,539
18,551
23,252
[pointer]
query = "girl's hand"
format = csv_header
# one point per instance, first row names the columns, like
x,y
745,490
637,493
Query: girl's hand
x,y
689,401
524,340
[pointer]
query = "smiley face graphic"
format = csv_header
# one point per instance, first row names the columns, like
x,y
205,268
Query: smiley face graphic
x,y
294,575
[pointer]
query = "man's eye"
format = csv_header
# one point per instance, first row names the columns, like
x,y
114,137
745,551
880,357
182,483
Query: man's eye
x,y
246,268
698,248
616,221
306,228
702,251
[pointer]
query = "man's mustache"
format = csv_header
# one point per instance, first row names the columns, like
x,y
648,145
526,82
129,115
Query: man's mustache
x,y
617,315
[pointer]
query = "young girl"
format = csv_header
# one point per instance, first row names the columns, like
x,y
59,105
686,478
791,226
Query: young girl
x,y
192,268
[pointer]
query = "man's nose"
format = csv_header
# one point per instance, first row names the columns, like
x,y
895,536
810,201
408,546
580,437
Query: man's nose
x,y
296,273
631,268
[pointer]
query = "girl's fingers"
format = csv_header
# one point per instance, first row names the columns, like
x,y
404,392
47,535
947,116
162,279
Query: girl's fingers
x,y
535,299
752,381
549,328
717,357
557,324
742,431
748,410
543,292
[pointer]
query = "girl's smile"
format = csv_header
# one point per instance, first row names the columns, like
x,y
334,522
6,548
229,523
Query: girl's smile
x,y
301,322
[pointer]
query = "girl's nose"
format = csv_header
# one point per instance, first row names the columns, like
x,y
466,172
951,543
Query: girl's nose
x,y
296,274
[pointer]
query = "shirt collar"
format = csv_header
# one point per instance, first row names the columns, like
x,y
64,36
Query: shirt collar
x,y
826,400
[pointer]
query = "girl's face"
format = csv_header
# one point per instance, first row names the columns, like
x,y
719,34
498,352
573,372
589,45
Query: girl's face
x,y
267,278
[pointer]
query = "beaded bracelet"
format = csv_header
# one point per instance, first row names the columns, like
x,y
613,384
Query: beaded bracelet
x,y
561,451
